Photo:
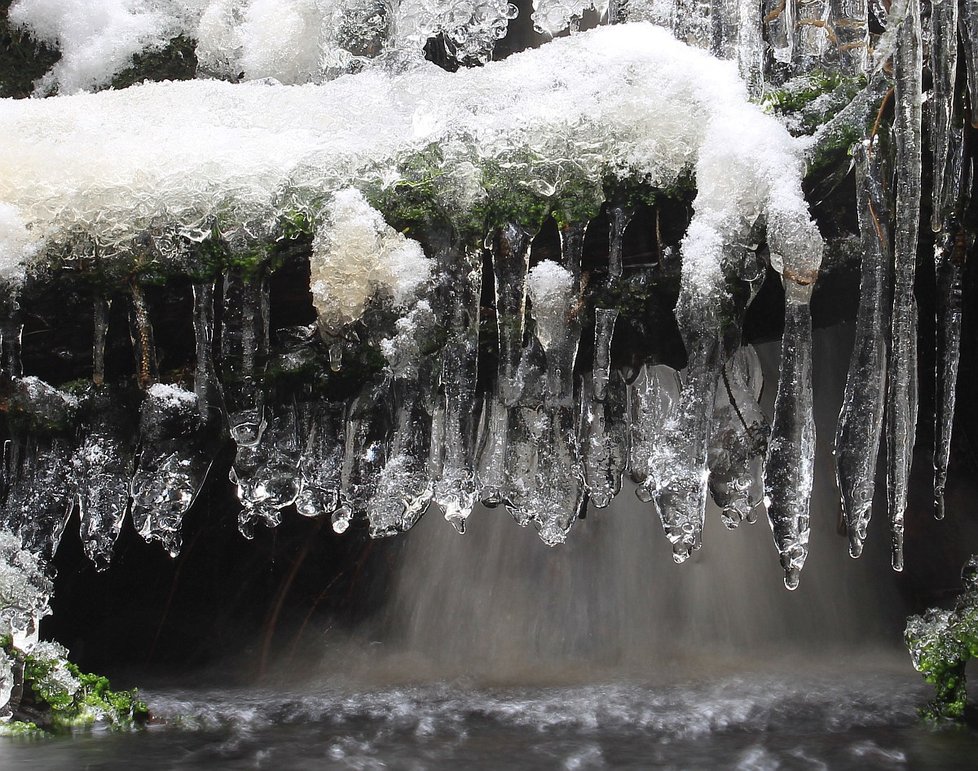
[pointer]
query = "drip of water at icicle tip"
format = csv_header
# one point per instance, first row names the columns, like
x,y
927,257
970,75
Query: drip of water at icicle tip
x,y
491,253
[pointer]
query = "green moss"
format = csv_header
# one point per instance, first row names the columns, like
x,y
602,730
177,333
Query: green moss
x,y
579,200
93,699
941,642
21,728
813,99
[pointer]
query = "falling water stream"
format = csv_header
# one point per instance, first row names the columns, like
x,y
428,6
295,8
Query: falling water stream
x,y
599,653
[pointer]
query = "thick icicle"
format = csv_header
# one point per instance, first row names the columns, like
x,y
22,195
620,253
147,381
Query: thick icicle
x,y
510,262
848,21
739,440
902,391
454,454
943,66
266,472
719,281
37,460
618,218
103,466
653,397
180,433
789,469
779,20
321,461
265,469
860,429
557,496
809,32
603,403
405,487
796,253
750,45
950,254
369,425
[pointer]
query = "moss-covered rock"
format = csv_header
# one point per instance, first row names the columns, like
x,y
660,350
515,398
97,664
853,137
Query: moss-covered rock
x,y
941,643
52,695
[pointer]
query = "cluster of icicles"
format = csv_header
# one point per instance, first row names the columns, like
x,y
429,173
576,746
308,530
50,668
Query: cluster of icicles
x,y
540,443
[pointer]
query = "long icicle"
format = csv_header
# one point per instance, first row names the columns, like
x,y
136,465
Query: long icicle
x,y
950,254
902,386
969,36
789,468
944,69
860,429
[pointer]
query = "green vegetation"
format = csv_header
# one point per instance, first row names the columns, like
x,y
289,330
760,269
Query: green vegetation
x,y
941,642
811,100
57,696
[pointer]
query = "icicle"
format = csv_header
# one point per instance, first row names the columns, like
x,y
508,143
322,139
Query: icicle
x,y
141,330
10,338
739,440
796,253
779,19
618,218
510,258
265,469
860,428
950,254
749,45
810,33
40,490
789,468
455,488
368,430
101,329
902,392
943,65
102,467
164,484
321,463
969,35
180,433
266,473
850,28
556,498
405,487
603,421
510,262
652,400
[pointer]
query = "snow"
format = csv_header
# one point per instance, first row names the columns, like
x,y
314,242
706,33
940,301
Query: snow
x,y
628,99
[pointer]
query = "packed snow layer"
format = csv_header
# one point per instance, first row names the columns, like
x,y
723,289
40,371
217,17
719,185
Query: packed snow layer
x,y
626,99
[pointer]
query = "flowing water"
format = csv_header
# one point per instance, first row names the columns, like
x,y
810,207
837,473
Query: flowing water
x,y
493,651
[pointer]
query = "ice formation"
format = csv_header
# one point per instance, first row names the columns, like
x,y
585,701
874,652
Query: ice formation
x,y
405,178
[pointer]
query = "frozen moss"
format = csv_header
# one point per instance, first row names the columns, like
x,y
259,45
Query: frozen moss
x,y
941,642
57,696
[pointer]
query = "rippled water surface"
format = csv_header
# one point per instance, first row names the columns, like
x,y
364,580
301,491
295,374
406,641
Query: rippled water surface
x,y
756,720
